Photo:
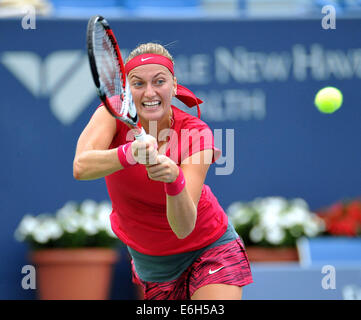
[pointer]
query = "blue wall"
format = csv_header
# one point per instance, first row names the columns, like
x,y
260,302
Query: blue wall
x,y
256,77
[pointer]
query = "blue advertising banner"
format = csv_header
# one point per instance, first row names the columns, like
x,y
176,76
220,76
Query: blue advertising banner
x,y
258,80
291,282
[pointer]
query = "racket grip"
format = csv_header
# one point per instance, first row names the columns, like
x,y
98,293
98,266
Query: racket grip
x,y
141,135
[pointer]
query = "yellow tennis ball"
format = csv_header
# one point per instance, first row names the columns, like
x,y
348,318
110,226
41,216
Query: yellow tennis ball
x,y
328,100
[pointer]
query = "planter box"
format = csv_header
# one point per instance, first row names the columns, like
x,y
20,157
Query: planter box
x,y
74,274
263,254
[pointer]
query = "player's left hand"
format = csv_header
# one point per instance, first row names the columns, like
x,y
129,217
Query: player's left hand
x,y
165,170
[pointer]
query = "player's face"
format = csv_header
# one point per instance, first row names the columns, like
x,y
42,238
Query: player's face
x,y
153,87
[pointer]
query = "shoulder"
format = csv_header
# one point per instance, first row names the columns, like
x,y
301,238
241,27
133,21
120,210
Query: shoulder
x,y
101,118
185,120
194,135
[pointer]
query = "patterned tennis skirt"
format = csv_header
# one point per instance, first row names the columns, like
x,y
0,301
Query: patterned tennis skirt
x,y
224,264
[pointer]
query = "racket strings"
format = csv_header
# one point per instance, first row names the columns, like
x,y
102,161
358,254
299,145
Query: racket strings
x,y
109,72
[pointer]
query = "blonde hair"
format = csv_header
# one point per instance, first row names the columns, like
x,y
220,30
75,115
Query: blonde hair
x,y
150,47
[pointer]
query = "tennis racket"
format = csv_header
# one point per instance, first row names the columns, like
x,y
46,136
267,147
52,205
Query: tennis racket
x,y
108,73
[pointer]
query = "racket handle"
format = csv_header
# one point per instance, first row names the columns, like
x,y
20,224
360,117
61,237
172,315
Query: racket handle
x,y
141,136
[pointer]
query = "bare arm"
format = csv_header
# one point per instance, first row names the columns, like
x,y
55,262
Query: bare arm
x,y
92,159
182,208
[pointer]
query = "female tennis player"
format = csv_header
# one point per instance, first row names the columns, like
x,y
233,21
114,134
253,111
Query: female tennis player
x,y
181,243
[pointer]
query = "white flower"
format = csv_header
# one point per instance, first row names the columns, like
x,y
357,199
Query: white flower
x,y
239,213
313,226
234,208
41,236
256,234
104,219
275,204
53,228
71,222
89,207
269,211
26,227
294,216
109,230
66,212
270,218
71,205
275,236
298,202
89,224
48,229
105,207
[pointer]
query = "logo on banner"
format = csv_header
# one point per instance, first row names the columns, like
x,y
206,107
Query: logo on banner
x,y
63,77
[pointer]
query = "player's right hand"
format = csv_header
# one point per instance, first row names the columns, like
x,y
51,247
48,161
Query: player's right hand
x,y
145,152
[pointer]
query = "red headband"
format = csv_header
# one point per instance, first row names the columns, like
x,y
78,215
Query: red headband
x,y
183,94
